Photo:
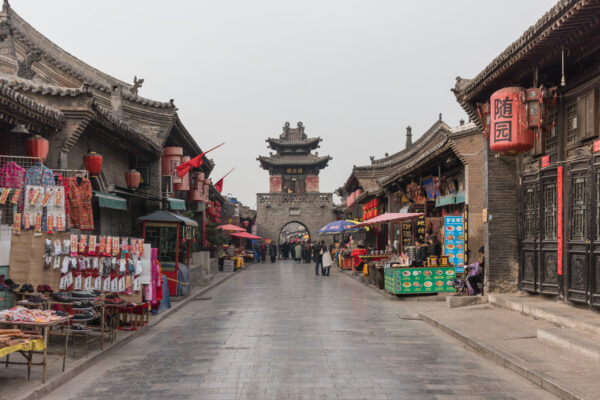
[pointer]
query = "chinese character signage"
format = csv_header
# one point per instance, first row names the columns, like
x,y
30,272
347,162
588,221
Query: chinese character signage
x,y
420,228
454,239
508,122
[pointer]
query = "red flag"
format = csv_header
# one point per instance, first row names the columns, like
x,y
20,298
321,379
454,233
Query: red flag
x,y
195,162
219,185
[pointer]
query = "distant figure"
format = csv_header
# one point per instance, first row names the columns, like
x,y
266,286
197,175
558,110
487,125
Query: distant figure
x,y
298,253
327,261
474,280
263,252
273,252
317,251
435,247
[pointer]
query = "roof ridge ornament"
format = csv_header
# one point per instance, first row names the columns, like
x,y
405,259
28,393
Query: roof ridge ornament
x,y
137,84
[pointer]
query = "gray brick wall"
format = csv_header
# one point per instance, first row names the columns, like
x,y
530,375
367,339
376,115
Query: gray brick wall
x,y
501,230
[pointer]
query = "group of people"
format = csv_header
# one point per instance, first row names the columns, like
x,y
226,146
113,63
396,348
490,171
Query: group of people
x,y
261,249
431,248
299,251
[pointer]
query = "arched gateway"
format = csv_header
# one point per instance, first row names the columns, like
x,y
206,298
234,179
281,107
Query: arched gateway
x,y
294,185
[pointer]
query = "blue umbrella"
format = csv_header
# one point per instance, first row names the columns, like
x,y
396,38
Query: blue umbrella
x,y
337,227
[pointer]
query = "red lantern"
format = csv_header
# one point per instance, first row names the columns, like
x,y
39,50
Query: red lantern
x,y
37,147
508,122
132,179
93,163
246,223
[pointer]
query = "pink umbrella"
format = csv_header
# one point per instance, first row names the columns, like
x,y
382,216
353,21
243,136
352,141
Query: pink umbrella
x,y
230,228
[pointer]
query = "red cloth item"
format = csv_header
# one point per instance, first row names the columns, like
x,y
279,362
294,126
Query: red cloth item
x,y
219,185
62,181
80,197
184,168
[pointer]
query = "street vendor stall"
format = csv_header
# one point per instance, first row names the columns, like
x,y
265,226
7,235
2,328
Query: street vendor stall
x,y
172,235
408,280
240,258
347,259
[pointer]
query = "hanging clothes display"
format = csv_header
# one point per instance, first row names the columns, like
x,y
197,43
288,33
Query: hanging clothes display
x,y
80,198
38,175
12,175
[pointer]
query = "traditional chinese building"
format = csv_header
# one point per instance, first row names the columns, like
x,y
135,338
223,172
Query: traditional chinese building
x,y
293,185
294,168
542,230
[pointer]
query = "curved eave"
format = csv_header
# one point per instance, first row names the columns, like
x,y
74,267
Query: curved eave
x,y
308,144
268,163
17,108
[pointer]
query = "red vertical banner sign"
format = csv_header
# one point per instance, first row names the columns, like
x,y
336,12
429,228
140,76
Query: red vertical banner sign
x,y
559,219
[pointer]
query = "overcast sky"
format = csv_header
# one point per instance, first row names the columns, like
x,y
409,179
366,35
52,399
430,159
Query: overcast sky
x,y
355,73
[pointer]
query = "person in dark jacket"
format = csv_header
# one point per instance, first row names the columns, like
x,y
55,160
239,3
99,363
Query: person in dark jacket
x,y
435,247
273,252
422,252
317,257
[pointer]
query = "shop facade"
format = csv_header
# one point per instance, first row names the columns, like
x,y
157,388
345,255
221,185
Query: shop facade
x,y
542,198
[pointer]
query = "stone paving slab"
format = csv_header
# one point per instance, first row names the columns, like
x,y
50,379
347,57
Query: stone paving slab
x,y
277,331
13,380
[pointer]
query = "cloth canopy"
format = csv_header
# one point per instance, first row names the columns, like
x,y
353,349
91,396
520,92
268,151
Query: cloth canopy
x,y
167,216
245,235
109,200
388,217
230,228
336,227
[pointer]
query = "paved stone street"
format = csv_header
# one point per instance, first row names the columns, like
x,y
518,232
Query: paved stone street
x,y
276,331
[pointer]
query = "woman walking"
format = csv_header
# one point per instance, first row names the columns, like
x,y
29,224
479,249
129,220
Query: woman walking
x,y
298,253
327,261
273,252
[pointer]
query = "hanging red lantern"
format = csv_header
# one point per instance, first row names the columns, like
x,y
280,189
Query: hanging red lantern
x,y
132,179
508,122
93,163
37,147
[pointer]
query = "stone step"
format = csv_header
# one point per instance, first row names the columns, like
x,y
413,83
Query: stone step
x,y
558,313
578,342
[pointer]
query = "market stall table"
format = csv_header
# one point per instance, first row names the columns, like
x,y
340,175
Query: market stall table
x,y
411,280
45,328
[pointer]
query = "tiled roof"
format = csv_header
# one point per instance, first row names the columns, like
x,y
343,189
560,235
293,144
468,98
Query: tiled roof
x,y
25,108
309,159
561,26
70,64
295,141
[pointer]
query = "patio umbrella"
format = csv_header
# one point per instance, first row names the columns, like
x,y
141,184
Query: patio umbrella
x,y
337,227
245,235
389,217
230,228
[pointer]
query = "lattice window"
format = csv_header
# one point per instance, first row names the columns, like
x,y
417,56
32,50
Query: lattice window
x,y
550,211
579,214
531,212
552,135
572,128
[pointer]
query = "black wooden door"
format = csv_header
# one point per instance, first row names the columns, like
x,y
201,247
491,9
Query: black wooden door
x,y
594,270
579,222
539,239
530,224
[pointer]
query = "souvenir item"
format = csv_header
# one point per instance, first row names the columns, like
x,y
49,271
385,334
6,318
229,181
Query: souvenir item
x,y
15,197
47,262
121,284
102,246
48,250
73,262
137,286
92,245
65,265
63,283
95,263
58,198
114,284
138,266
80,196
26,222
87,283
78,285
38,223
59,224
124,246
50,224
122,265
73,245
133,247
115,246
57,248
56,264
140,247
4,195
106,284
34,193
98,283
82,244
66,246
46,198
108,246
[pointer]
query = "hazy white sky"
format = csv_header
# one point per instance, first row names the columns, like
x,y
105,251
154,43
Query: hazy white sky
x,y
355,73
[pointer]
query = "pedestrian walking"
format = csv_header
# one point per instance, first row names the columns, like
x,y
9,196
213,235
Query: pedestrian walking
x,y
317,250
327,261
298,253
263,252
273,252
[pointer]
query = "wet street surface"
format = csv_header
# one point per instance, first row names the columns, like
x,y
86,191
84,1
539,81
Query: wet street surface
x,y
276,331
